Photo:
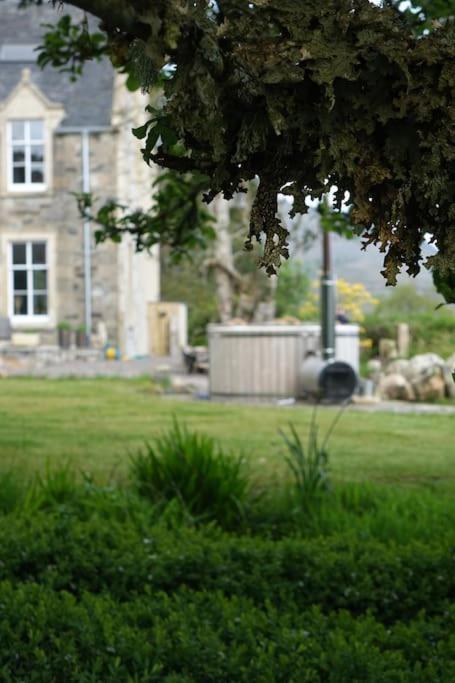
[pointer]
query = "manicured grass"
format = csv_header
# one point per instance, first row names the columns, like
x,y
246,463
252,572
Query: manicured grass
x,y
94,424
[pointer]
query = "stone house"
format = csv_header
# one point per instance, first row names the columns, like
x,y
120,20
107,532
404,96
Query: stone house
x,y
59,137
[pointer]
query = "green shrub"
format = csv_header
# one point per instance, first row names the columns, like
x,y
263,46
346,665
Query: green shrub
x,y
56,487
192,468
133,557
431,330
12,491
206,637
98,585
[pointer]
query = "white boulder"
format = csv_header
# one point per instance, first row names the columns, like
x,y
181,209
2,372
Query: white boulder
x,y
395,387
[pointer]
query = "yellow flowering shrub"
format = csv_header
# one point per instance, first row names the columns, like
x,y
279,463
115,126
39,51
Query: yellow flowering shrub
x,y
352,297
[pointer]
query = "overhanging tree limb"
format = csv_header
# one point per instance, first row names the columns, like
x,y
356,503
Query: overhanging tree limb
x,y
306,95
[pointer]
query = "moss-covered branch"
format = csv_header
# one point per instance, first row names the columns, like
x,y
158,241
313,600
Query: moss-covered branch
x,y
305,96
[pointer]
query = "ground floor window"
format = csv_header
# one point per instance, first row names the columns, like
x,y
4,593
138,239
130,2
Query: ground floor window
x,y
29,279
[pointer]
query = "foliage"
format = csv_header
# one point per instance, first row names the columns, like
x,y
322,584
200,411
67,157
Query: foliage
x,y
177,218
445,285
405,301
189,281
11,489
430,331
67,46
165,638
336,221
352,298
424,14
304,96
309,466
106,543
293,288
64,325
105,588
192,468
98,584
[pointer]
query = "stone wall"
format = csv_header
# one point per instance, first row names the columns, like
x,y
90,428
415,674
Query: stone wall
x,y
54,215
138,273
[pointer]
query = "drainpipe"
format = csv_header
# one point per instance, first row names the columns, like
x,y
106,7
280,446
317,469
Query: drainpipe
x,y
328,297
85,141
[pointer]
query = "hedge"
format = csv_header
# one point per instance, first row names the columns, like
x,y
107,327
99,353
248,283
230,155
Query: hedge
x,y
201,637
393,582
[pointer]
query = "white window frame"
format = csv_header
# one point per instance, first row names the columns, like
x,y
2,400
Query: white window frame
x,y
29,268
28,144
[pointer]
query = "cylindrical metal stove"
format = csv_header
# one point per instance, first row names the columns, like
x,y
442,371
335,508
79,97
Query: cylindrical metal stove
x,y
333,381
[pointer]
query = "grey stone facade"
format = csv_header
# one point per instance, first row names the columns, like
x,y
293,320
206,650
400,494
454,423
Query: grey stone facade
x,y
123,283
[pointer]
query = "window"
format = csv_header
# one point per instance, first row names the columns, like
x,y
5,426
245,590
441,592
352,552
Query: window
x,y
28,272
26,155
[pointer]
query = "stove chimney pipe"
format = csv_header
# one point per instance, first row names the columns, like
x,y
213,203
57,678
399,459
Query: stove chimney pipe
x,y
328,297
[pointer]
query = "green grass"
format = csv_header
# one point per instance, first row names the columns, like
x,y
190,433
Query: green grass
x,y
94,425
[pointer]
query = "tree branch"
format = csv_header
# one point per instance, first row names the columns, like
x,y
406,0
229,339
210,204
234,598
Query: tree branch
x,y
114,14
216,263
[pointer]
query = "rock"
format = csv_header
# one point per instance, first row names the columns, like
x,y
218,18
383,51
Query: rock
x,y
374,367
403,339
387,349
179,386
425,363
426,375
449,380
430,388
395,387
397,367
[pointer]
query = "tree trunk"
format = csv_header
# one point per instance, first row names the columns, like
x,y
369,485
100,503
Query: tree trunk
x,y
223,262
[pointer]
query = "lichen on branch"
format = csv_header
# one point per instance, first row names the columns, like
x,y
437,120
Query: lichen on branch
x,y
304,96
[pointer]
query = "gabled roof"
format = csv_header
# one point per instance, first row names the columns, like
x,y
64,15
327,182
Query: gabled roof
x,y
87,102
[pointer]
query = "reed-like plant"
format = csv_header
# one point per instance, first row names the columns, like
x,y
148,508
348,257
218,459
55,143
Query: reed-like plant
x,y
309,464
209,483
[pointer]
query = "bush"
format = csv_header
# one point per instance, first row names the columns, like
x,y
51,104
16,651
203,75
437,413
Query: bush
x,y
431,330
206,637
192,468
12,491
137,557
96,584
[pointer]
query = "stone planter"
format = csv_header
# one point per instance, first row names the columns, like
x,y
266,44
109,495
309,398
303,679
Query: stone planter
x,y
64,338
81,339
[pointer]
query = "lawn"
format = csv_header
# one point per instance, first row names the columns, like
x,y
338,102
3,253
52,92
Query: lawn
x,y
95,424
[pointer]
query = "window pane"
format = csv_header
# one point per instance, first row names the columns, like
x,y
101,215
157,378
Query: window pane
x,y
37,153
18,130
37,174
19,254
20,280
40,280
19,154
19,175
40,304
38,252
20,304
36,130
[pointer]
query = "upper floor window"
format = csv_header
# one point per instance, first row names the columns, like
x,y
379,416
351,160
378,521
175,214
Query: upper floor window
x,y
26,155
28,278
